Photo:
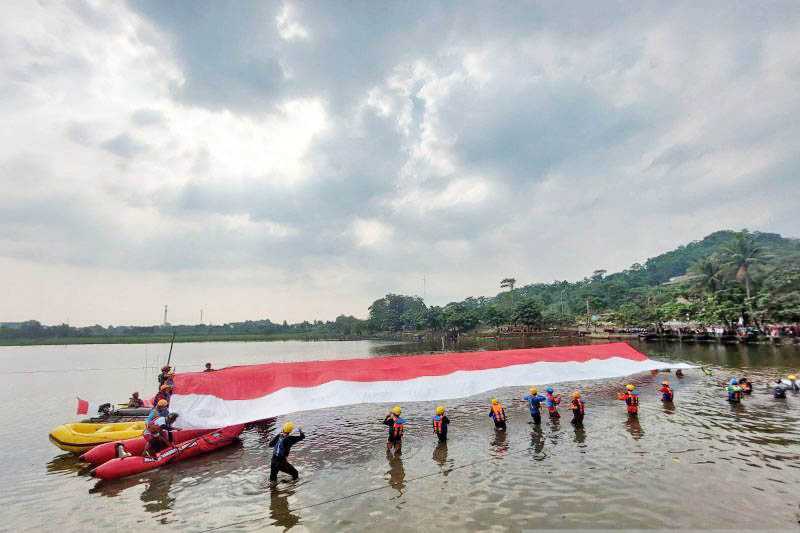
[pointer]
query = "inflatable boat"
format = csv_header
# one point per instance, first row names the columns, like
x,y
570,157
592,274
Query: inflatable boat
x,y
127,466
79,437
107,451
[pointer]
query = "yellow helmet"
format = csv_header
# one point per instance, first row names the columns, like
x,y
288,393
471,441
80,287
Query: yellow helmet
x,y
288,427
792,377
533,390
162,403
576,394
396,410
630,386
494,401
440,410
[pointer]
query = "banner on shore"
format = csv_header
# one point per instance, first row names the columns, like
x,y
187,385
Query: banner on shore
x,y
241,394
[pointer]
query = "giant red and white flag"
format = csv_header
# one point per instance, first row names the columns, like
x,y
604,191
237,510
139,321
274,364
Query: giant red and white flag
x,y
242,394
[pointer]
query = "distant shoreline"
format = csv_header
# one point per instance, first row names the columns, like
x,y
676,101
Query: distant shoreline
x,y
165,339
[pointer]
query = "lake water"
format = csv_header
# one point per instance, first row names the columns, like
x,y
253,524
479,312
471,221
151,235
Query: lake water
x,y
702,464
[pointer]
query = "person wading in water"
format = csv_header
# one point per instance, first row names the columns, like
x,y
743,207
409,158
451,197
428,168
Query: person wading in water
x,y
281,445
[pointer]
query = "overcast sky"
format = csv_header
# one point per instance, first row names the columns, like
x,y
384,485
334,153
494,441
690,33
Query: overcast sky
x,y
299,160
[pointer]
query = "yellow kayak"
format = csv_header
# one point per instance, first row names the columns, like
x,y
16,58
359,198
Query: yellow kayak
x,y
79,437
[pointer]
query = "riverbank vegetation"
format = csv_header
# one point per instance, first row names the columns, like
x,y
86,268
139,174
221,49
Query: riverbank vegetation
x,y
718,280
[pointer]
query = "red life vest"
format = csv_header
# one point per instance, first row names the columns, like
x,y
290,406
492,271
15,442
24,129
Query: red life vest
x,y
397,428
437,424
632,401
499,415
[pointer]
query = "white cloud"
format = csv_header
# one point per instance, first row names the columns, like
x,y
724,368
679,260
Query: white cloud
x,y
370,232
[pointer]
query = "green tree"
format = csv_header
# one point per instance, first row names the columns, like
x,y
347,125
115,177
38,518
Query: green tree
x,y
494,316
528,312
707,274
742,255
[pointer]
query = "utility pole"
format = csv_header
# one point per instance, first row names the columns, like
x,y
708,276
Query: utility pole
x,y
165,314
588,316
201,315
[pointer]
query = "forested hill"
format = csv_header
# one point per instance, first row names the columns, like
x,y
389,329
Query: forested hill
x,y
713,280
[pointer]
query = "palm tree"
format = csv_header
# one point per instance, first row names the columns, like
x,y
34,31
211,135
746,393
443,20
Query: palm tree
x,y
508,283
706,274
741,255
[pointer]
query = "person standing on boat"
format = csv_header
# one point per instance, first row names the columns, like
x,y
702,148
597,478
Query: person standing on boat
x,y
161,409
165,393
281,445
134,401
164,375
158,434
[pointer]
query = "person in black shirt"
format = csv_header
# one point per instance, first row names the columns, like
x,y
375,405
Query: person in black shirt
x,y
282,444
440,423
396,428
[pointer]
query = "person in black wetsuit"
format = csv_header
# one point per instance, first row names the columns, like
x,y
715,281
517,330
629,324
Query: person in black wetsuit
x,y
396,427
440,423
282,444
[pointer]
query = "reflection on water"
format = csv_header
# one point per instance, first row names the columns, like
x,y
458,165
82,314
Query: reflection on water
x,y
396,473
279,510
742,456
580,436
634,427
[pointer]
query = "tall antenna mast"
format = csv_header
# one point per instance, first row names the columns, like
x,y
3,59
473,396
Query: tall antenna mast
x,y
165,315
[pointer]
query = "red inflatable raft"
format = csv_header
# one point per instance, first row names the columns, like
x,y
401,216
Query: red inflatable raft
x,y
107,451
126,466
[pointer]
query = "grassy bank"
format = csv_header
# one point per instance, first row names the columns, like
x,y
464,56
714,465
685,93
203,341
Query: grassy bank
x,y
156,339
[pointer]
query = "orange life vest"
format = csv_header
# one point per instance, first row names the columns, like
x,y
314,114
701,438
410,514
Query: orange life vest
x,y
499,415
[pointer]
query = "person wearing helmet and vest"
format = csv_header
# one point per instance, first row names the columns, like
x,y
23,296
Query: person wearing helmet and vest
x,y
578,409
498,414
551,402
158,434
281,445
666,391
631,399
535,400
734,391
164,393
134,401
161,409
793,383
163,376
396,427
747,387
440,423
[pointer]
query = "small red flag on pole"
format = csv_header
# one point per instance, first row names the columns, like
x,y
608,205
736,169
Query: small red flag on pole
x,y
83,407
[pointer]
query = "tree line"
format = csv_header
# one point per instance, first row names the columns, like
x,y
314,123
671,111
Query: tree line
x,y
718,280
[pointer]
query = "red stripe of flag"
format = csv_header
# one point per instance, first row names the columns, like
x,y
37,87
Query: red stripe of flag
x,y
255,381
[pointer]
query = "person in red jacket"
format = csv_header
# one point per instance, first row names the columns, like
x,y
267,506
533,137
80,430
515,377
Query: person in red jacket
x,y
631,399
666,391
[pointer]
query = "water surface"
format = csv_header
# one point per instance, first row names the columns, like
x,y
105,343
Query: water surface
x,y
698,464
